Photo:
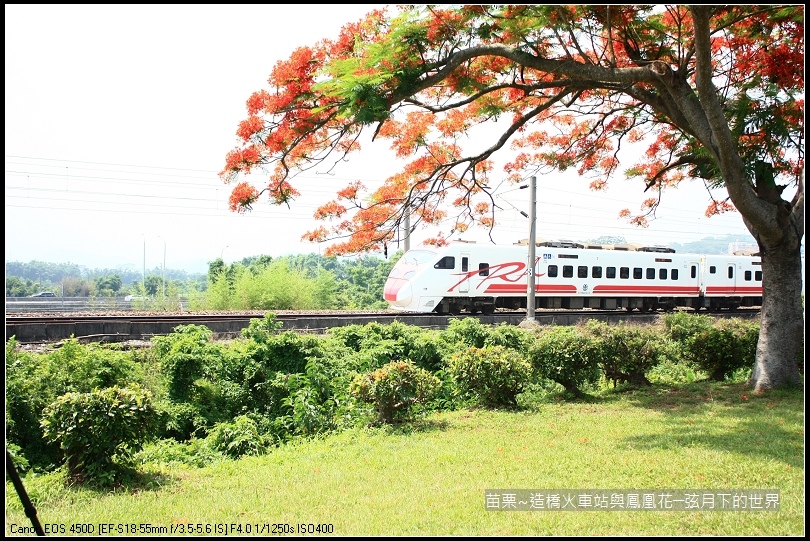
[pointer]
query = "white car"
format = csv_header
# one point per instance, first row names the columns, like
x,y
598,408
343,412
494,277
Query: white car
x,y
130,298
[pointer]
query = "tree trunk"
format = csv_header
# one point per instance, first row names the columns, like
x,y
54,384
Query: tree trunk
x,y
781,333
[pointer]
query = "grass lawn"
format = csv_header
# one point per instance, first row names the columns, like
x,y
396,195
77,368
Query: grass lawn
x,y
430,477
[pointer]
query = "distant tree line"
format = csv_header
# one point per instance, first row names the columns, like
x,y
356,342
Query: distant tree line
x,y
255,282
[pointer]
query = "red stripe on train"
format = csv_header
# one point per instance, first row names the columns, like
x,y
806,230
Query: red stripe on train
x,y
648,290
523,288
731,290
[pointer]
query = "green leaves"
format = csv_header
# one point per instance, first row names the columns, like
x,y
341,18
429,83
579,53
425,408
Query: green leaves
x,y
99,430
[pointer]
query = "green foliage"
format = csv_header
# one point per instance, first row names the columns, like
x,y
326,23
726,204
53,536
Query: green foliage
x,y
378,344
196,452
221,400
184,356
426,350
673,370
682,325
394,388
238,438
18,459
99,430
261,330
728,345
495,374
467,332
34,380
289,352
509,336
566,355
319,400
627,352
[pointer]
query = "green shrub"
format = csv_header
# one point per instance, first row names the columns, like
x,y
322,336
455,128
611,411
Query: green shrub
x,y
566,355
464,333
394,388
238,437
289,352
184,356
98,431
262,330
400,336
681,325
181,421
627,352
509,336
319,400
427,350
728,345
35,380
495,374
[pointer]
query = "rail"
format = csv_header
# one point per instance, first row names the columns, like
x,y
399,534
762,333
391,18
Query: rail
x,y
57,305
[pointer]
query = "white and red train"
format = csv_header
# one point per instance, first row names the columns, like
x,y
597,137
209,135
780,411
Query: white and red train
x,y
484,277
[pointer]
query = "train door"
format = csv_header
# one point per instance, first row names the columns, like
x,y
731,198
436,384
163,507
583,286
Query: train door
x,y
464,286
731,277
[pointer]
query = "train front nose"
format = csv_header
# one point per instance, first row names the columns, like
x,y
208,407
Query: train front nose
x,y
398,292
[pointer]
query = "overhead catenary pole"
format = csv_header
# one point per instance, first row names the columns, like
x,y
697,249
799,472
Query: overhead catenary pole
x,y
530,299
144,264
163,278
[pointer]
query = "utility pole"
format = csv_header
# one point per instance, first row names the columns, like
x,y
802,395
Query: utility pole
x,y
530,299
163,278
144,264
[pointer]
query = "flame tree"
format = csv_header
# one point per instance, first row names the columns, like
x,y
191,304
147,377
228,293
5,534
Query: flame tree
x,y
714,94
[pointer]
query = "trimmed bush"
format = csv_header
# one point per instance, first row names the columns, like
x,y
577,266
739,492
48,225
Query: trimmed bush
x,y
394,389
568,356
494,374
627,352
729,345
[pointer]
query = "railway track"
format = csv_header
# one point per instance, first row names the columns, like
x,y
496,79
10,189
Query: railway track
x,y
36,329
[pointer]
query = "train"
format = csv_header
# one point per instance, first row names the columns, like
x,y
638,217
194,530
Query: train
x,y
472,278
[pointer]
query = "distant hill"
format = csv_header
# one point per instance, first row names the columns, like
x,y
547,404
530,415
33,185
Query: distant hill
x,y
709,245
717,245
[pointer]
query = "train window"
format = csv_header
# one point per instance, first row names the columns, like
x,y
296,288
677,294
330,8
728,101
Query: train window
x,y
552,271
662,274
758,276
747,276
674,274
712,270
650,274
610,272
596,272
465,264
731,272
694,271
582,271
638,273
568,271
483,269
447,262
624,273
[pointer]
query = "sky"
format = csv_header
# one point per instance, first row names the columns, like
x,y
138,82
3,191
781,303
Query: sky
x,y
119,118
